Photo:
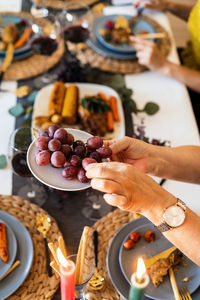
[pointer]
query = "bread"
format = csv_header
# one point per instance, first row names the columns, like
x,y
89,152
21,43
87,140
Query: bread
x,y
56,98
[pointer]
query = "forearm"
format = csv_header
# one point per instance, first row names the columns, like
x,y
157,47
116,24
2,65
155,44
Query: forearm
x,y
178,9
183,236
180,163
187,76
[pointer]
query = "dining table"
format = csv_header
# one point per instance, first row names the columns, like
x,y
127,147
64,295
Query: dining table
x,y
175,122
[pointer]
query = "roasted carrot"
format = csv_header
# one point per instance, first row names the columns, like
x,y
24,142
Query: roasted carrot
x,y
3,243
110,121
24,37
103,96
113,105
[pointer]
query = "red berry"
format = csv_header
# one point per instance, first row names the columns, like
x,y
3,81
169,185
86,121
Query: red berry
x,y
110,24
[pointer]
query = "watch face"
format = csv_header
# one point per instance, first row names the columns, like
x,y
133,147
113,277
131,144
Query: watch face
x,y
174,216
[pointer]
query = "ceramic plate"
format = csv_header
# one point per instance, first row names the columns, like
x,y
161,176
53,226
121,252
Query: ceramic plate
x,y
113,265
42,100
12,19
53,176
24,253
129,258
136,28
12,249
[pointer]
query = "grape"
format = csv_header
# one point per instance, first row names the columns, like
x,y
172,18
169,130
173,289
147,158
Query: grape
x,y
86,161
70,172
104,152
61,134
82,176
75,160
80,150
66,149
52,129
95,155
43,158
70,139
42,143
94,142
44,133
78,143
54,145
67,163
58,159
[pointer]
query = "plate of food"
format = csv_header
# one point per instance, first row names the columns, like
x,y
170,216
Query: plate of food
x,y
113,32
8,247
94,108
24,253
17,30
122,257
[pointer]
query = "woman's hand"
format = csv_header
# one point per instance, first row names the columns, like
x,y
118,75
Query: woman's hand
x,y
133,152
149,55
155,4
128,188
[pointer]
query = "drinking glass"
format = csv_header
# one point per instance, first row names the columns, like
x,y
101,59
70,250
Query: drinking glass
x,y
18,145
76,22
88,272
45,42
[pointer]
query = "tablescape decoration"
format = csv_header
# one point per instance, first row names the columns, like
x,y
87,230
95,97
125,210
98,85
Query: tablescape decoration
x,y
16,264
31,65
174,284
30,278
97,282
67,276
139,281
43,224
105,63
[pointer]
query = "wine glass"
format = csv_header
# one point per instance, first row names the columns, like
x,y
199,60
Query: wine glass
x,y
18,145
45,42
76,21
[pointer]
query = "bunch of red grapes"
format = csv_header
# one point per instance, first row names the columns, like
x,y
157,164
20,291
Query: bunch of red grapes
x,y
58,147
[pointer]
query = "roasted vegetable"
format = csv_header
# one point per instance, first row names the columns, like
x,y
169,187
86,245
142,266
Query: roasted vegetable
x,y
10,33
56,98
70,106
3,243
23,38
113,105
39,120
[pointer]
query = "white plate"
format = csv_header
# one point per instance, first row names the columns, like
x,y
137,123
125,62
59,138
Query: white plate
x,y
53,176
89,89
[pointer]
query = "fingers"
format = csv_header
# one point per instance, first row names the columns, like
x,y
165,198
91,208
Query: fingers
x,y
116,200
120,145
106,186
104,170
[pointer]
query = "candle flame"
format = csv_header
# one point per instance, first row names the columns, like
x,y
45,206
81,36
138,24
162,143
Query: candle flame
x,y
62,260
141,269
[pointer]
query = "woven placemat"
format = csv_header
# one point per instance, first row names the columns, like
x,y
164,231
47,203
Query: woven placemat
x,y
106,227
88,55
60,4
34,64
38,285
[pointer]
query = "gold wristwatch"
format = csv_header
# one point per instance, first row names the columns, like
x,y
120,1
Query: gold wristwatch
x,y
174,216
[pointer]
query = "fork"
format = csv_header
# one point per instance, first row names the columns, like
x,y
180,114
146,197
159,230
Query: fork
x,y
185,294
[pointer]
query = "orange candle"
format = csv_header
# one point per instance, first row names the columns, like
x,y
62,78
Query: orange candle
x,y
67,277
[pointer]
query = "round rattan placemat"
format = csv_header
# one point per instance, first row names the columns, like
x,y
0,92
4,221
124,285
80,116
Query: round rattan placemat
x,y
60,4
38,285
106,227
87,55
34,64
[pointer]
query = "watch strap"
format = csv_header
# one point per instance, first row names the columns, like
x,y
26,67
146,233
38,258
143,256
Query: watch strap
x,y
164,226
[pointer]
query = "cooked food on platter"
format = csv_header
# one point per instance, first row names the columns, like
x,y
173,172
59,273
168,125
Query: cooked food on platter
x,y
96,113
3,243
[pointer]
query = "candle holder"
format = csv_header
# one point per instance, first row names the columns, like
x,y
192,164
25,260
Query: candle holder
x,y
88,272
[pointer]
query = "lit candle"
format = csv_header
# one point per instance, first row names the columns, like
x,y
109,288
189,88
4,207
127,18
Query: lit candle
x,y
139,281
67,277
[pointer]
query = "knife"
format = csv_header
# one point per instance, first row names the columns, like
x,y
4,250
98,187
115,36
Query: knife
x,y
165,254
7,60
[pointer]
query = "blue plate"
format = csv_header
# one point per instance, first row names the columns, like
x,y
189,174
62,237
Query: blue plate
x,y
24,253
136,28
12,19
12,250
97,47
20,56
113,263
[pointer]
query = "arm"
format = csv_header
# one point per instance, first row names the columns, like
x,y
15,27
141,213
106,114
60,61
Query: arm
x,y
176,8
149,55
131,190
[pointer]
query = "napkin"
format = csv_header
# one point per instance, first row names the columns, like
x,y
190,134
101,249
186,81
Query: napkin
x,y
122,2
10,5
120,10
